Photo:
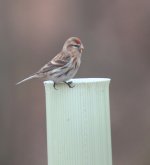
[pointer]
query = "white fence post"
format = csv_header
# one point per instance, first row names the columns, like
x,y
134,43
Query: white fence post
x,y
78,123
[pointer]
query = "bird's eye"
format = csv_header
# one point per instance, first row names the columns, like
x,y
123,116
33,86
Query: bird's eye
x,y
76,46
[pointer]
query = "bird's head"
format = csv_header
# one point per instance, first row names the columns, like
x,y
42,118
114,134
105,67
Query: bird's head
x,y
73,44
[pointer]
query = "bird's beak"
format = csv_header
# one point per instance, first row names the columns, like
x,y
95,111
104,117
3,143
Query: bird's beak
x,y
81,48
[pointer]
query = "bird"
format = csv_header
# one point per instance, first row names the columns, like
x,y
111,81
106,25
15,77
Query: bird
x,y
63,66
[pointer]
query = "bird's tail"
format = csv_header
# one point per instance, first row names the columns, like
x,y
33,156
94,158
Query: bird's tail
x,y
26,79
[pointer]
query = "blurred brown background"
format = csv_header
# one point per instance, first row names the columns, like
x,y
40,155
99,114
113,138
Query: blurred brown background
x,y
116,36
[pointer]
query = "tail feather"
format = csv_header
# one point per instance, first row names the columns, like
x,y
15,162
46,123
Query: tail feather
x,y
26,79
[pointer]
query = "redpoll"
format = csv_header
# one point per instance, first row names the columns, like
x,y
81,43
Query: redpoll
x,y
63,66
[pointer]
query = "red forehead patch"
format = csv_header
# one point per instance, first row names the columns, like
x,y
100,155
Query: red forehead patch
x,y
77,41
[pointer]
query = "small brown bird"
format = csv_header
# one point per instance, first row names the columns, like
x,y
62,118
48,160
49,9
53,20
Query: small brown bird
x,y
63,66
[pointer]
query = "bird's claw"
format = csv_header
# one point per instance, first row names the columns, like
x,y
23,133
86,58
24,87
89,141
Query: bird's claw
x,y
69,84
54,85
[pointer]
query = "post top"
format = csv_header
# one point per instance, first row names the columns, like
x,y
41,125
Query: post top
x,y
83,80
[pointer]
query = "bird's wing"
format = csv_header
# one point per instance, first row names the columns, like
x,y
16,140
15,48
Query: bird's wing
x,y
58,61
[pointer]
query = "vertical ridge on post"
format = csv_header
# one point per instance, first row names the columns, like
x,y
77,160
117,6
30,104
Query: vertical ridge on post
x,y
78,123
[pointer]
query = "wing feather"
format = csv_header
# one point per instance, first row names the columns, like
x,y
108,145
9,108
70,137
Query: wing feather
x,y
58,61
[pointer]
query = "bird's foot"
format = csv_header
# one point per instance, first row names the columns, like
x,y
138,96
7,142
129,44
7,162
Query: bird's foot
x,y
69,84
54,85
